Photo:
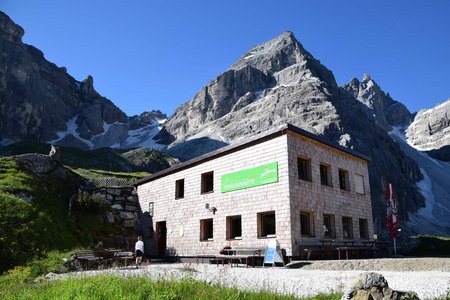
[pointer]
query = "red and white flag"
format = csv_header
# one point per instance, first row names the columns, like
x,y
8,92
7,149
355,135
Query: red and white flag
x,y
391,213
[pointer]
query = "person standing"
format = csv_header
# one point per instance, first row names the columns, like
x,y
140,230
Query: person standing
x,y
139,251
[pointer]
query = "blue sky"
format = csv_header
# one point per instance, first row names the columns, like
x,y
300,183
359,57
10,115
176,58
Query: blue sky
x,y
155,54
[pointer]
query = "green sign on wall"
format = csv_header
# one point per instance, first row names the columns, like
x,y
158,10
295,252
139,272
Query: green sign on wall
x,y
250,177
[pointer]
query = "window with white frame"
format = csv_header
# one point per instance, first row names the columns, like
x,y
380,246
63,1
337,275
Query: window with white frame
x,y
359,184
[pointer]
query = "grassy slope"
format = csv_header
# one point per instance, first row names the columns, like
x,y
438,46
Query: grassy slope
x,y
29,229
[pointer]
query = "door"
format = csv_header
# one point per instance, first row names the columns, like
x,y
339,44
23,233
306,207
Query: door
x,y
161,237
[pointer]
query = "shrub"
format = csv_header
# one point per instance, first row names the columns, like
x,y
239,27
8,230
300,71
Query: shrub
x,y
53,262
429,245
93,203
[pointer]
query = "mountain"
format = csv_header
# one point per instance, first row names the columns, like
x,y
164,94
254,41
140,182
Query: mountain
x,y
278,82
41,102
387,111
253,95
393,117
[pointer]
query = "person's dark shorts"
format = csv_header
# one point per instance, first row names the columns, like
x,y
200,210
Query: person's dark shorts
x,y
139,253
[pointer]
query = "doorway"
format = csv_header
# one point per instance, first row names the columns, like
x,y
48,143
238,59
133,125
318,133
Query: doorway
x,y
161,238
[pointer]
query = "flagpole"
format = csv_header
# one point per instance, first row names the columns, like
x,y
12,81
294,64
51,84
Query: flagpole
x,y
395,248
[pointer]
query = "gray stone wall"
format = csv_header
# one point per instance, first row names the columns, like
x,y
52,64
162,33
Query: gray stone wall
x,y
123,213
312,196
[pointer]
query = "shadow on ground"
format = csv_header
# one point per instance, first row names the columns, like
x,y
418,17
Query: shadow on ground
x,y
297,264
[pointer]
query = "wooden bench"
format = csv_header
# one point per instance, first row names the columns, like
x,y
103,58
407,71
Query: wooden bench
x,y
87,259
308,247
355,248
202,257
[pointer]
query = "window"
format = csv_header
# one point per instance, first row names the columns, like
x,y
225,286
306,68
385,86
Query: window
x,y
359,184
307,223
343,180
328,226
266,224
234,227
325,174
347,228
207,185
206,230
363,229
304,168
179,189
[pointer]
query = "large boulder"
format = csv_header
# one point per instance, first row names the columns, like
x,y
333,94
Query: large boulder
x,y
373,286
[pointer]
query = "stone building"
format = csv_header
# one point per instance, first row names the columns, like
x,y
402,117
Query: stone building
x,y
286,184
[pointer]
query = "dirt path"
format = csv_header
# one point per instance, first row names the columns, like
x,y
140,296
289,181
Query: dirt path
x,y
385,264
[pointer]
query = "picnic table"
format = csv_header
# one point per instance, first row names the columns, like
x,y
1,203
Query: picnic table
x,y
90,259
326,247
235,256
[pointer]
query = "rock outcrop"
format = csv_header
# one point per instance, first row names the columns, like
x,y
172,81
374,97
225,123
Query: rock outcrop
x,y
430,129
44,166
387,111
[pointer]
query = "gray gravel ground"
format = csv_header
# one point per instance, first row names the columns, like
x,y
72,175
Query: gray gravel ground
x,y
428,277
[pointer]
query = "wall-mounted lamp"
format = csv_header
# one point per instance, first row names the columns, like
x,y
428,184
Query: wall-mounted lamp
x,y
212,209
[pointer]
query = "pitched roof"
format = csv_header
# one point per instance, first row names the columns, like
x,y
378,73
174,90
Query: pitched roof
x,y
268,135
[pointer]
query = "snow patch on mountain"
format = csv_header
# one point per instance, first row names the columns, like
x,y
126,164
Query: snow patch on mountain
x,y
143,137
426,187
433,218
72,129
114,135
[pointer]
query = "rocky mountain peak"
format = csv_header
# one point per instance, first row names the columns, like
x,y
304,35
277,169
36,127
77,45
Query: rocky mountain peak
x,y
431,128
87,87
274,55
366,77
10,30
386,111
151,116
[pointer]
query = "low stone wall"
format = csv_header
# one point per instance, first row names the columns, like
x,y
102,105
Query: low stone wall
x,y
123,213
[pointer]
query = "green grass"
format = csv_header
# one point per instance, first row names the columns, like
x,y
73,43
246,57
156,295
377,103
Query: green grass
x,y
114,287
29,229
21,222
21,276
